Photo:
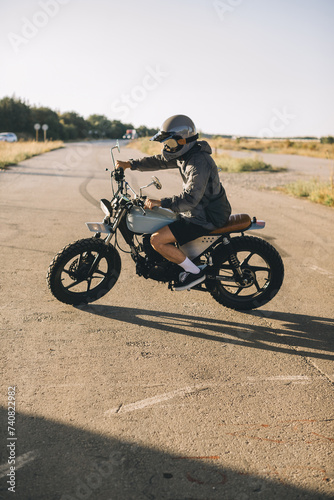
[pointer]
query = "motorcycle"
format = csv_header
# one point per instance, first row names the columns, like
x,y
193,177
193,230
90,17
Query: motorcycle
x,y
242,272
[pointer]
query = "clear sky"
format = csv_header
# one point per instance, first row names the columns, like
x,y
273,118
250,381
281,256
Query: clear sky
x,y
243,67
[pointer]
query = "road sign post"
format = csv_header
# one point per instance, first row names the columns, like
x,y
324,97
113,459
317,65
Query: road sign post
x,y
45,127
37,127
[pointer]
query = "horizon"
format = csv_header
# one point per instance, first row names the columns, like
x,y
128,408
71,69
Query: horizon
x,y
201,132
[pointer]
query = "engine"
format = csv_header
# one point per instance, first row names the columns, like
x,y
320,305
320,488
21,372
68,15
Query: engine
x,y
153,265
150,253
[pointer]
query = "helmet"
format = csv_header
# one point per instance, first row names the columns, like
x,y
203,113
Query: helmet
x,y
178,134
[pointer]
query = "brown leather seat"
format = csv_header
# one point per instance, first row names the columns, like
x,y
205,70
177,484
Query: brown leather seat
x,y
235,224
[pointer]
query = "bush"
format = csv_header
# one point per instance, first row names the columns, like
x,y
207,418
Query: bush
x,y
327,140
313,190
226,163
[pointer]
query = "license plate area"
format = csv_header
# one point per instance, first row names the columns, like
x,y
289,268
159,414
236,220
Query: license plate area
x,y
98,227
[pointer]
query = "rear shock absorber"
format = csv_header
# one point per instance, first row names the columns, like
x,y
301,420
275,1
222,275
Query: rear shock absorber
x,y
232,258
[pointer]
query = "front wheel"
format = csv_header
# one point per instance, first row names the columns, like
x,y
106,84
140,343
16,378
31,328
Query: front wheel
x,y
83,271
262,274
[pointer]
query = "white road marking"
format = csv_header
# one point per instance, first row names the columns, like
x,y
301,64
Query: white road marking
x,y
144,403
320,270
65,385
19,462
279,378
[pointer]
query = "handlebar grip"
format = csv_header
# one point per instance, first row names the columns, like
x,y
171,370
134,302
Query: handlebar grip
x,y
119,174
141,201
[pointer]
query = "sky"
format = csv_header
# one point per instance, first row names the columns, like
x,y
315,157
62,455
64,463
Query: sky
x,y
242,67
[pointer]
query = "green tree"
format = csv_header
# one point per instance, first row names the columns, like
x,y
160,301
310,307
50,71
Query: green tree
x,y
69,132
143,131
15,116
100,126
48,117
75,125
19,117
119,129
327,140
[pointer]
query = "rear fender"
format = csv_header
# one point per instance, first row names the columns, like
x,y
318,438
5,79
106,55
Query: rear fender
x,y
256,224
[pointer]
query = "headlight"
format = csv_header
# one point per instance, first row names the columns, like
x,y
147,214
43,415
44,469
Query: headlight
x,y
106,207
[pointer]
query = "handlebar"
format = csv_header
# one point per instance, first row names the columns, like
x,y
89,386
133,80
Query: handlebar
x,y
119,174
140,202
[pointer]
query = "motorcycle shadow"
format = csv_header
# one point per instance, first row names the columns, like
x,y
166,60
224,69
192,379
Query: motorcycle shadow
x,y
288,333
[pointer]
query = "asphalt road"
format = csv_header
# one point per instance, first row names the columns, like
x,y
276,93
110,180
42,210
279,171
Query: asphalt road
x,y
150,394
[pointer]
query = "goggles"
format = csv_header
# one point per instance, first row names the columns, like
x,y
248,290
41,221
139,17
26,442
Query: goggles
x,y
172,141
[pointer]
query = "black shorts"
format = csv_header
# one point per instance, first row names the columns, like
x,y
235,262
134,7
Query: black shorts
x,y
185,231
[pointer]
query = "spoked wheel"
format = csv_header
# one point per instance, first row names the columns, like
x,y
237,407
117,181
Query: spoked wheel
x,y
262,274
84,271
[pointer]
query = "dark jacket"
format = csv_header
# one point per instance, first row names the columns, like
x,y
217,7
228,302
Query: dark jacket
x,y
201,183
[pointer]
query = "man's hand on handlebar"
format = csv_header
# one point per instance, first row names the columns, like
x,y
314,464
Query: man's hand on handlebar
x,y
123,164
152,203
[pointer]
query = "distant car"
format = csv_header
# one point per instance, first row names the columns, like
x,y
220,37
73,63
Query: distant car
x,y
131,133
8,137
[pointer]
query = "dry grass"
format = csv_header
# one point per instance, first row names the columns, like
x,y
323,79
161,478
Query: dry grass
x,y
310,148
287,146
146,146
312,190
224,162
12,153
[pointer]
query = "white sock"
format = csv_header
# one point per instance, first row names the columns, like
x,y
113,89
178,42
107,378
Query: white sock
x,y
189,266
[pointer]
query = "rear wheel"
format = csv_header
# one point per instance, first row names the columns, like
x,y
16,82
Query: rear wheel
x,y
84,271
262,274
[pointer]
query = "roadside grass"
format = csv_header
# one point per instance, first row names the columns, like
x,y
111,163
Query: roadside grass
x,y
146,146
310,148
224,162
12,153
312,190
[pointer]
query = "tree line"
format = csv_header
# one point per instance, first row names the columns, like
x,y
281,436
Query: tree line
x,y
19,117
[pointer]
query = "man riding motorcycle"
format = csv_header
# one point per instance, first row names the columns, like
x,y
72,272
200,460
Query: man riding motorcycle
x,y
203,204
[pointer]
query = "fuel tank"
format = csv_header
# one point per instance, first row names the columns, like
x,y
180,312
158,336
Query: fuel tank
x,y
140,223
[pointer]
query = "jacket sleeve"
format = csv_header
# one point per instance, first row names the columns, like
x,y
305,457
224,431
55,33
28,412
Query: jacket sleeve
x,y
197,176
152,163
